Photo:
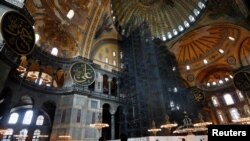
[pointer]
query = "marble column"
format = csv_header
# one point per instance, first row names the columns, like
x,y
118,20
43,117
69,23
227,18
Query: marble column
x,y
99,83
112,112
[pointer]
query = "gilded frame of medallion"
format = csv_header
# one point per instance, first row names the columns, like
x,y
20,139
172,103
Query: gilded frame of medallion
x,y
81,62
4,38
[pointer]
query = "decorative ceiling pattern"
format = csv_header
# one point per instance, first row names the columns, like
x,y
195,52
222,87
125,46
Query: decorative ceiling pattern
x,y
56,29
245,51
208,42
218,78
166,18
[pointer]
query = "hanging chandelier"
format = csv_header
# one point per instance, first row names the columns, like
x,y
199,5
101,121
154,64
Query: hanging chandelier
x,y
188,127
202,123
168,124
243,120
99,124
154,130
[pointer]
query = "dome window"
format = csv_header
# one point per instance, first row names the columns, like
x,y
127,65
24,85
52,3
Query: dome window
x,y
71,14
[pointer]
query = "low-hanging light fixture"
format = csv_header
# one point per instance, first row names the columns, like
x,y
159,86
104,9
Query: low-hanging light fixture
x,y
168,124
99,124
154,130
202,123
189,127
243,120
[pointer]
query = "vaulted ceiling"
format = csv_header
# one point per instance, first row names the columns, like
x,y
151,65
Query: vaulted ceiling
x,y
209,39
165,18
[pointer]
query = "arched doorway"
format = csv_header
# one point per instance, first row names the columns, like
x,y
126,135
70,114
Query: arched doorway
x,y
5,101
106,118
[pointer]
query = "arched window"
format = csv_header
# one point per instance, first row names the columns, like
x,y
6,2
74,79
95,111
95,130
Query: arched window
x,y
240,95
22,135
228,99
196,12
71,14
28,117
221,117
37,37
39,120
114,63
13,118
234,113
215,101
54,51
36,135
191,18
7,135
186,24
106,60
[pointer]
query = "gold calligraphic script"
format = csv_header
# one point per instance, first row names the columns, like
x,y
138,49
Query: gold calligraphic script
x,y
17,32
197,94
82,73
242,80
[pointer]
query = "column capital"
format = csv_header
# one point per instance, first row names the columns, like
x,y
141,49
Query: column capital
x,y
109,79
112,111
117,82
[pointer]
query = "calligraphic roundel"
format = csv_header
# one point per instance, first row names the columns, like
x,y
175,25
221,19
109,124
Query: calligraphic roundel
x,y
82,73
241,80
17,33
198,94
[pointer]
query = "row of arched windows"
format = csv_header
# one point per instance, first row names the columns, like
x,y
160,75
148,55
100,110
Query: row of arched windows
x,y
227,98
26,119
234,113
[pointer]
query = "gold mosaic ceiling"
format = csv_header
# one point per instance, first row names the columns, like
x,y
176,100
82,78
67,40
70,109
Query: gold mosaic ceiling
x,y
208,43
166,18
56,29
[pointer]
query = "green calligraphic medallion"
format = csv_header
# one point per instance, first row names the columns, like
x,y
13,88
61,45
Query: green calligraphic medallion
x,y
17,33
242,80
82,73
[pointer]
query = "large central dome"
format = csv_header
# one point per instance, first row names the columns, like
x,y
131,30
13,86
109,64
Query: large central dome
x,y
165,18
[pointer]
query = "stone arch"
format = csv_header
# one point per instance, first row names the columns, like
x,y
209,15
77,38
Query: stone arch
x,y
59,77
105,53
49,107
106,118
203,75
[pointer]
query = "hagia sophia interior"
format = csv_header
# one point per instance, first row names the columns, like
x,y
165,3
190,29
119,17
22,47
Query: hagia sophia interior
x,y
86,70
